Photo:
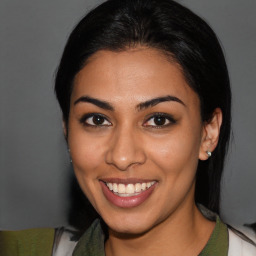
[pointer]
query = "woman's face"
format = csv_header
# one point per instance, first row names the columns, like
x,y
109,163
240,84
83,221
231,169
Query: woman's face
x,y
135,135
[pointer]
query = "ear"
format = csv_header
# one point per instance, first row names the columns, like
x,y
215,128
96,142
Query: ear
x,y
65,129
210,134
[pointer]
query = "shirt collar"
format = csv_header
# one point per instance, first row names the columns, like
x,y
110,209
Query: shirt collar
x,y
93,240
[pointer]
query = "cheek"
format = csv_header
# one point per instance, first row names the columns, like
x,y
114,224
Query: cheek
x,y
86,152
176,153
87,159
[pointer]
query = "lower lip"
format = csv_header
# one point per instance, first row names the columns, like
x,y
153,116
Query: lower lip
x,y
126,202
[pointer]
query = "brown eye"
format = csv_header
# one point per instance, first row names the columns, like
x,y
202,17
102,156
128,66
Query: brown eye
x,y
95,120
98,120
160,120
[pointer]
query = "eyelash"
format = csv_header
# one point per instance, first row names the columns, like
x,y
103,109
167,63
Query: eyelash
x,y
84,120
166,118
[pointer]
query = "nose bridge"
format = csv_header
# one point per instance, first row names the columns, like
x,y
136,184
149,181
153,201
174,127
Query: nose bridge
x,y
125,149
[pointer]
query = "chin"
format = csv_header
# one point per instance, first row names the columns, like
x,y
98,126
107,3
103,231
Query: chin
x,y
132,229
129,224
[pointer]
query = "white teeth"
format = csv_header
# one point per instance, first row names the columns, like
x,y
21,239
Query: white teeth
x,y
137,187
115,187
129,189
125,190
110,186
121,188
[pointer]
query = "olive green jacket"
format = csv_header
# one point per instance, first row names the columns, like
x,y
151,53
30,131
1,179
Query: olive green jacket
x,y
60,242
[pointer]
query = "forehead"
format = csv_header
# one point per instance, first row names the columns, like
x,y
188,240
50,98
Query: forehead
x,y
138,74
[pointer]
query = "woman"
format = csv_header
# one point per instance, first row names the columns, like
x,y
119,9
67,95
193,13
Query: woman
x,y
145,95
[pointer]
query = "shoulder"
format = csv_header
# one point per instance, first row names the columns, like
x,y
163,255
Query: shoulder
x,y
69,241
240,245
23,242
38,241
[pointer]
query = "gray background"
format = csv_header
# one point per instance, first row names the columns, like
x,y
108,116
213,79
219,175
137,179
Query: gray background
x,y
34,165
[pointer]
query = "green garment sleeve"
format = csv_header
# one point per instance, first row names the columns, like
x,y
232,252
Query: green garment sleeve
x,y
31,242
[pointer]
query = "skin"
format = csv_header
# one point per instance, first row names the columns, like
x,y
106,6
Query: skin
x,y
129,144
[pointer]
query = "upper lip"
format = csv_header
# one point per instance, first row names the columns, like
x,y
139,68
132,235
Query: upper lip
x,y
126,181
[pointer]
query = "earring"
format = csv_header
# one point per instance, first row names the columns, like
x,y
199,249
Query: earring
x,y
209,153
69,156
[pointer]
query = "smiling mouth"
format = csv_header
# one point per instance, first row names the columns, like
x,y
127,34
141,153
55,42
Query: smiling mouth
x,y
128,190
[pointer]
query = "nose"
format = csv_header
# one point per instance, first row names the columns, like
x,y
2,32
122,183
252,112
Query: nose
x,y
125,150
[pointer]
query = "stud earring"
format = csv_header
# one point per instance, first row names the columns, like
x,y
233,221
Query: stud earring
x,y
209,153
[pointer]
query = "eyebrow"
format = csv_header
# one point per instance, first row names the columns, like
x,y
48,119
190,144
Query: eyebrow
x,y
141,106
100,103
155,101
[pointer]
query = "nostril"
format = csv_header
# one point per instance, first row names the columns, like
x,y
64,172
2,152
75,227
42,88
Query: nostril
x,y
125,149
123,160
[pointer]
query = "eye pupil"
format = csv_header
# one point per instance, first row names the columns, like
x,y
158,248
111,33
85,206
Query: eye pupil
x,y
159,120
98,120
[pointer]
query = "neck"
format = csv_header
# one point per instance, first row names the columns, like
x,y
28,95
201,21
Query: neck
x,y
186,232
